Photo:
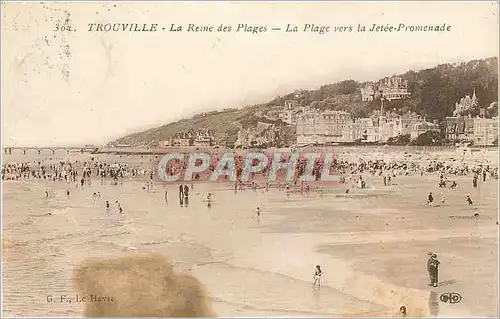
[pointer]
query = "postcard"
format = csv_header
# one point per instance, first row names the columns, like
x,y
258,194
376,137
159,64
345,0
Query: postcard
x,y
250,158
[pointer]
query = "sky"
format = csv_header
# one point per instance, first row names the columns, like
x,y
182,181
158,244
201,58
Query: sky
x,y
79,87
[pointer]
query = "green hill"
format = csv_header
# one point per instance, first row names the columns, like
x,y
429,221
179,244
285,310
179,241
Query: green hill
x,y
219,121
434,92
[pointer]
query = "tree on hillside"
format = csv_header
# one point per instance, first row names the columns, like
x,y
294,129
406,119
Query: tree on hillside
x,y
435,91
347,87
492,110
399,140
427,139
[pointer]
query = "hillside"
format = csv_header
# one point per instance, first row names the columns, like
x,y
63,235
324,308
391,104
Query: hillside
x,y
434,92
219,121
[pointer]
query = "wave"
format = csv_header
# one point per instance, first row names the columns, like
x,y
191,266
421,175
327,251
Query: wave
x,y
64,236
155,242
14,243
116,234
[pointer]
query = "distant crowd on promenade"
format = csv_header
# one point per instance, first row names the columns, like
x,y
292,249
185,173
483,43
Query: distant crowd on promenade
x,y
83,173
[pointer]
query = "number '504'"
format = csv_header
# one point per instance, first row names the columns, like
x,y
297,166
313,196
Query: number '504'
x,y
62,27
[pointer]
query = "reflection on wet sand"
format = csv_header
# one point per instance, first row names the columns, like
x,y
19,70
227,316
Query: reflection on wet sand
x,y
433,304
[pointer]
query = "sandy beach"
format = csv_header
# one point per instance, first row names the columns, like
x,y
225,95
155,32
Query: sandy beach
x,y
372,245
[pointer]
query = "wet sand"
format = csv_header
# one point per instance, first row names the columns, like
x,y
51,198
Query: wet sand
x,y
467,268
372,245
40,250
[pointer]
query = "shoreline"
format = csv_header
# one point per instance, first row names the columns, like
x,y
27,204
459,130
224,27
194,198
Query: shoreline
x,y
286,241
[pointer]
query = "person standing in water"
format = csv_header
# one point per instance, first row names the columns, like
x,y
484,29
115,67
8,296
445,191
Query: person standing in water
x,y
430,200
469,200
186,195
258,211
166,195
317,276
209,200
181,191
67,192
120,210
181,194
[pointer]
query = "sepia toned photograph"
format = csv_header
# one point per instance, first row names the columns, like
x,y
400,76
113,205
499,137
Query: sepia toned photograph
x,y
250,159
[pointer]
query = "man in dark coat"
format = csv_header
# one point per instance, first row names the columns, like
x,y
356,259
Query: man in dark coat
x,y
181,194
429,266
186,195
433,266
181,191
